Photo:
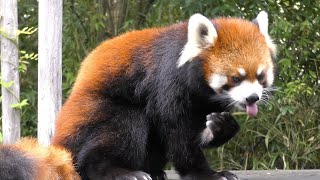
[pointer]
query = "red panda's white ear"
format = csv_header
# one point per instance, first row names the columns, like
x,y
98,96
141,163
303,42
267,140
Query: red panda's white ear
x,y
201,34
262,22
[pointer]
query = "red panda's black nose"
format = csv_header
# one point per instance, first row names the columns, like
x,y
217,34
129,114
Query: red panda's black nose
x,y
252,98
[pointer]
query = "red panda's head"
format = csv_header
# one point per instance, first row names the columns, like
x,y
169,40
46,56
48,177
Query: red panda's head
x,y
237,58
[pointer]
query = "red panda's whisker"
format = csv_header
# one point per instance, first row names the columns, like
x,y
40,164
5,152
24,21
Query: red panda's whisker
x,y
271,89
264,101
220,97
231,105
266,93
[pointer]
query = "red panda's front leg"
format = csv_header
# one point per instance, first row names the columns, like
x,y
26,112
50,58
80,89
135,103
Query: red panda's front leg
x,y
188,158
220,128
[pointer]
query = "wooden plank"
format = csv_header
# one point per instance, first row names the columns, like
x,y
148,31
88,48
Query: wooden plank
x,y
267,175
10,71
279,175
49,67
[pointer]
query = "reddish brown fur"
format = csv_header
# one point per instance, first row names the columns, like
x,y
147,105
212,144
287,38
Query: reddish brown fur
x,y
237,38
101,67
52,163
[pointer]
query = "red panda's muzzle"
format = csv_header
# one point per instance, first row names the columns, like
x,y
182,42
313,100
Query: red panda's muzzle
x,y
251,106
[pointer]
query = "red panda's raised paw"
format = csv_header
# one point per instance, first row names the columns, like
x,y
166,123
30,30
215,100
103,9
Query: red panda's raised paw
x,y
221,127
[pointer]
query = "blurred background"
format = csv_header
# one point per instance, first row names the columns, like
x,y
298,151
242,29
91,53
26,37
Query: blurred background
x,y
285,134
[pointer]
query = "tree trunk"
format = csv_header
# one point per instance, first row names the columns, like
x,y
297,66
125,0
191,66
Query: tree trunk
x,y
49,67
116,11
10,71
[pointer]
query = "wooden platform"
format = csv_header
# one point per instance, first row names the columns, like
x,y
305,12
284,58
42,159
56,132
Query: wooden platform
x,y
268,175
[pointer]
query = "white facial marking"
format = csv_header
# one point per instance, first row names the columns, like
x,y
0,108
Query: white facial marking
x,y
244,90
206,136
217,81
197,41
270,77
242,72
260,69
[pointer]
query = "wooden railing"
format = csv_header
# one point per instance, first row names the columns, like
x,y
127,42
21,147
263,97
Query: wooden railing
x,y
10,90
49,69
267,175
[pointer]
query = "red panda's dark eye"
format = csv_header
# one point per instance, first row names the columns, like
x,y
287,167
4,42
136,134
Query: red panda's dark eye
x,y
260,77
236,79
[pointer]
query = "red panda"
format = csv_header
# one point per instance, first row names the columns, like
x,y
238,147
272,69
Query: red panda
x,y
141,99
27,160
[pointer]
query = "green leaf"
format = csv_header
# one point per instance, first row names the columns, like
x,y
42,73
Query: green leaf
x,y
20,105
27,30
312,74
22,52
6,85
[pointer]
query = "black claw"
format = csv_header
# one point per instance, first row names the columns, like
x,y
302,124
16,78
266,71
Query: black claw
x,y
228,175
135,175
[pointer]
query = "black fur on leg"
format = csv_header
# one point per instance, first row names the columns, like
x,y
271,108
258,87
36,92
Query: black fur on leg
x,y
116,173
156,157
97,158
191,161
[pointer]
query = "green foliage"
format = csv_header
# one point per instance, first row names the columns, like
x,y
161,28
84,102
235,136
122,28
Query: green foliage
x,y
28,56
27,31
6,85
20,105
24,60
285,135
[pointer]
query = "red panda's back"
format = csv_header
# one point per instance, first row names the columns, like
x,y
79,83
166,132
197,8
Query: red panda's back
x,y
113,57
110,60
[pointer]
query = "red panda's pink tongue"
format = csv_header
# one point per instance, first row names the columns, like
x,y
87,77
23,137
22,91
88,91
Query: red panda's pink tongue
x,y
252,109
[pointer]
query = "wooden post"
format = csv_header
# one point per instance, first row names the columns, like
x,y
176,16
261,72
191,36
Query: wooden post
x,y
10,71
49,67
